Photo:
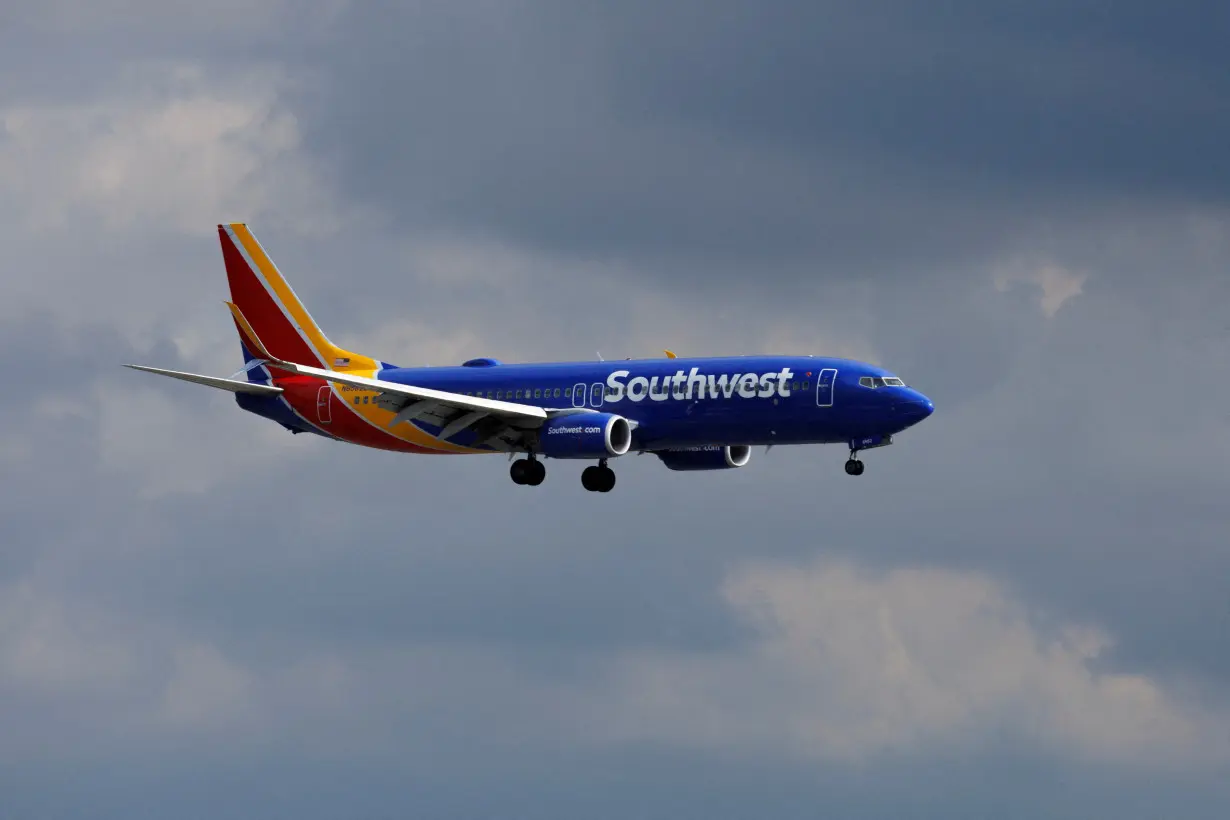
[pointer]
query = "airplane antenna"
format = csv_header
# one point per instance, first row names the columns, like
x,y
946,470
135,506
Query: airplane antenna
x,y
599,352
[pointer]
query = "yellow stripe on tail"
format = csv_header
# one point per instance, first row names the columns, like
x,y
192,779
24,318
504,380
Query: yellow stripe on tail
x,y
257,264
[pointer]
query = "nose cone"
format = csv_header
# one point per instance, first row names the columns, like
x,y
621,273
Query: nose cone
x,y
915,410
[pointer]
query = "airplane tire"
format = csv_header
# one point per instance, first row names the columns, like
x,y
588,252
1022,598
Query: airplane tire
x,y
589,479
854,467
535,473
606,479
517,471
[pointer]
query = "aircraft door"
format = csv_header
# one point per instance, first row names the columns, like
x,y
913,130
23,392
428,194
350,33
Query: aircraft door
x,y
324,412
596,394
824,387
578,395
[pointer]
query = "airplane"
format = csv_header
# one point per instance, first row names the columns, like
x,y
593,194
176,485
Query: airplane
x,y
692,413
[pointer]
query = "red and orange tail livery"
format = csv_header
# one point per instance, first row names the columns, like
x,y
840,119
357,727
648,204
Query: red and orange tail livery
x,y
272,321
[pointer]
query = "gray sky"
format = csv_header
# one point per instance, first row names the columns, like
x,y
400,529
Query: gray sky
x,y
1020,610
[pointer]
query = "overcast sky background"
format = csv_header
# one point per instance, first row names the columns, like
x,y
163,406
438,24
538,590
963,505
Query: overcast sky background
x,y
1021,610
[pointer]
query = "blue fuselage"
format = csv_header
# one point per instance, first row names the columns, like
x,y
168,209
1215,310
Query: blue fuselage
x,y
698,401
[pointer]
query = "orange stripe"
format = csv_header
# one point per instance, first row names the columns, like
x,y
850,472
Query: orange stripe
x,y
254,341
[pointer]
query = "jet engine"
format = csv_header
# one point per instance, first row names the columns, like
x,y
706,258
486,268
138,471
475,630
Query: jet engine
x,y
709,457
585,435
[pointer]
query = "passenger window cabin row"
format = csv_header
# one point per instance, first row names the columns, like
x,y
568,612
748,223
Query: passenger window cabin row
x,y
566,392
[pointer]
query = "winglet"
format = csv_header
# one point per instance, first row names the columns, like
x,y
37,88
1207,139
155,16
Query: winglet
x,y
670,354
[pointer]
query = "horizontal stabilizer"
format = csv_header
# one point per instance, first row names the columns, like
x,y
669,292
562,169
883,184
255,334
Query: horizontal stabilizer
x,y
233,385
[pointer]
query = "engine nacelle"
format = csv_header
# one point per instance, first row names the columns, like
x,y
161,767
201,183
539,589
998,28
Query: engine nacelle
x,y
585,435
708,457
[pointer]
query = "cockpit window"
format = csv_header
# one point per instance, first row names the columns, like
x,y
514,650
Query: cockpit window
x,y
881,381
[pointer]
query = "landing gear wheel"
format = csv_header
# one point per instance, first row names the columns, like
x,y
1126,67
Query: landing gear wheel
x,y
854,467
598,479
527,471
589,479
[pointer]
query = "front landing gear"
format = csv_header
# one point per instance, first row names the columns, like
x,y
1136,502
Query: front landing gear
x,y
857,445
600,479
528,471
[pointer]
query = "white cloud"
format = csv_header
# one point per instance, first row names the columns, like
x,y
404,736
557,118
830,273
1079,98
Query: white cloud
x,y
849,665
49,647
205,689
171,147
1057,285
191,446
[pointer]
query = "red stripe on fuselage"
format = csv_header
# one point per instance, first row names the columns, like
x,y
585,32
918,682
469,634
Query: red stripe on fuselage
x,y
302,392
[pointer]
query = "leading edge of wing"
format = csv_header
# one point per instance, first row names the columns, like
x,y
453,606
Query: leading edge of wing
x,y
492,406
232,385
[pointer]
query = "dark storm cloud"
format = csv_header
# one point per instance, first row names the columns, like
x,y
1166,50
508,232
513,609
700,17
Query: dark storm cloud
x,y
864,139
1065,97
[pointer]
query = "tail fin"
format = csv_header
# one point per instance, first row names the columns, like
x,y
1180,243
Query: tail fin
x,y
271,320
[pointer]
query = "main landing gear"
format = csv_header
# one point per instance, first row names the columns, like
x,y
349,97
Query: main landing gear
x,y
600,479
854,466
529,471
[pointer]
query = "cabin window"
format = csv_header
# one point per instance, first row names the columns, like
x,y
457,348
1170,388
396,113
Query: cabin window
x,y
357,399
567,392
518,394
537,392
365,398
805,385
556,393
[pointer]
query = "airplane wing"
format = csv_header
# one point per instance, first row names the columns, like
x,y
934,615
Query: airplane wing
x,y
497,423
424,396
500,424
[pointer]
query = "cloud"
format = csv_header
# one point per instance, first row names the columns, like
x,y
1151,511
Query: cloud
x,y
1018,608
170,147
205,688
46,646
851,664
1056,284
